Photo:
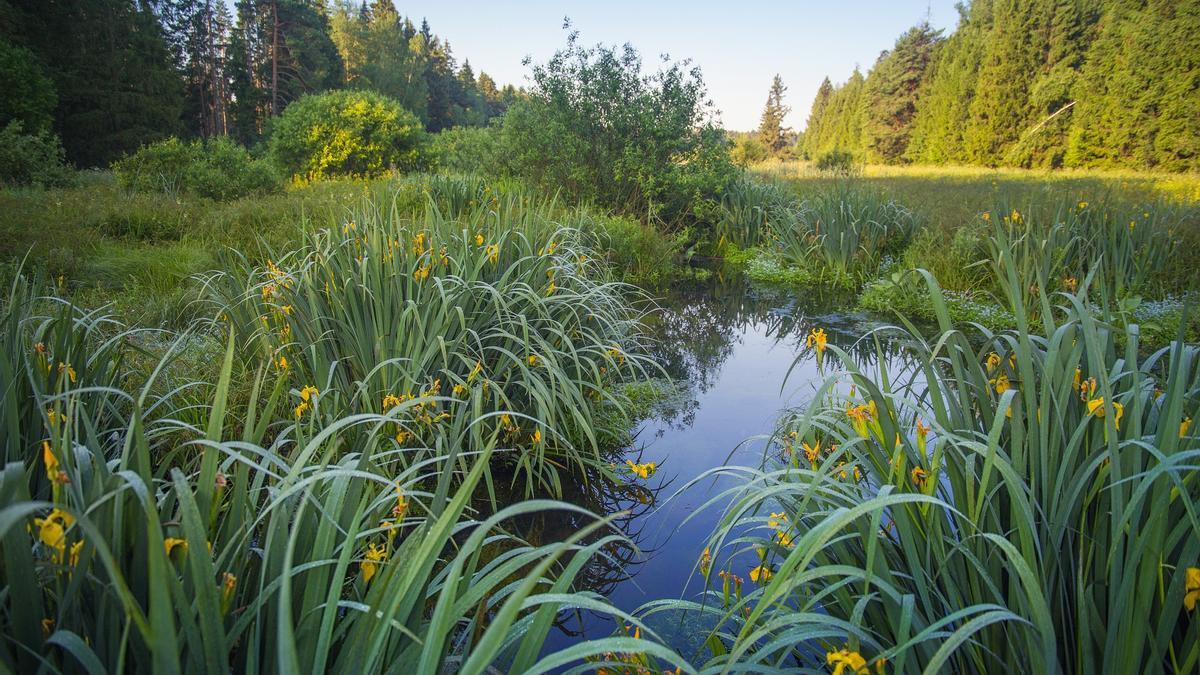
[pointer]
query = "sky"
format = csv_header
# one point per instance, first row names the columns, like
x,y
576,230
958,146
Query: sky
x,y
739,46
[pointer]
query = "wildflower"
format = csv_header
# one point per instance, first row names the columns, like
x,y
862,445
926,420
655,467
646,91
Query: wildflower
x,y
459,389
784,539
1096,407
391,401
537,436
479,240
53,471
987,217
309,392
493,253
816,340
1191,588
533,360
375,554
760,574
475,371
282,363
777,519
47,626
812,452
286,309
300,409
642,471
993,360
1001,383
1184,426
40,348
73,557
66,368
922,435
53,416
919,477
421,272
1083,205
1071,284
401,506
1016,216
228,585
846,661
52,531
705,561
860,416
172,543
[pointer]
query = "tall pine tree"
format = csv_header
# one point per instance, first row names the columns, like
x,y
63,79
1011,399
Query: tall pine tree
x,y
892,92
771,132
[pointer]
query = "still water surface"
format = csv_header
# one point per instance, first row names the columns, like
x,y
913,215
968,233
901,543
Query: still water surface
x,y
733,345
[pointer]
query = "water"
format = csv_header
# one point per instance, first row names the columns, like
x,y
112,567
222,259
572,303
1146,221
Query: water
x,y
733,344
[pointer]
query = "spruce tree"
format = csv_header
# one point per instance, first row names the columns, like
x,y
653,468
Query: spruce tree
x,y
771,132
816,119
892,92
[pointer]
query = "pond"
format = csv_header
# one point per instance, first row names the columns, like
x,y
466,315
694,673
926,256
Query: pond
x,y
738,351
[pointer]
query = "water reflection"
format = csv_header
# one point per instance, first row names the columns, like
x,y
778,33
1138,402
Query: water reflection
x,y
738,349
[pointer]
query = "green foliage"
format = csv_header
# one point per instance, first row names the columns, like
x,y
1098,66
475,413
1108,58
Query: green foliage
x,y
472,150
840,113
599,129
29,96
482,298
771,132
750,209
347,133
378,55
218,169
838,163
892,93
747,150
32,158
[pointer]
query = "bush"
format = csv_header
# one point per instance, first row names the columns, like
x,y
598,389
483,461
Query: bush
x,y
838,163
29,96
748,150
597,128
32,159
474,150
219,169
347,133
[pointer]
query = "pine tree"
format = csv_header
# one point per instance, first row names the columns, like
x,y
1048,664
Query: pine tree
x,y
198,34
892,92
771,132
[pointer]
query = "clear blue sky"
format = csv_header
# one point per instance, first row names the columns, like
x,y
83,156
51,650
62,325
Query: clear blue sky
x,y
738,45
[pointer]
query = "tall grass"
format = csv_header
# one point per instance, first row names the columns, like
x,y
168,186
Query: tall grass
x,y
496,307
147,532
1023,501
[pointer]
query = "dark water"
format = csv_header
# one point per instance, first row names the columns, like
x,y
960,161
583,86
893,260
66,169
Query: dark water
x,y
731,345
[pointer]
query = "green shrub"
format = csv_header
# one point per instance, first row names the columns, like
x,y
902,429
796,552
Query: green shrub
x,y
751,209
747,150
32,159
218,169
597,128
471,150
838,163
29,96
347,133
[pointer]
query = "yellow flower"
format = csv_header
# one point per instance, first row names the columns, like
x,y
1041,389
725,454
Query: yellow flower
x,y
533,359
66,368
479,240
1082,205
537,436
300,409
784,539
282,362
993,360
52,531
375,555
919,476
228,586
53,471
987,216
1001,383
73,558
1096,407
760,574
846,661
816,340
493,253
777,519
172,543
1071,284
705,561
309,392
1184,426
812,452
421,272
1191,588
459,389
642,470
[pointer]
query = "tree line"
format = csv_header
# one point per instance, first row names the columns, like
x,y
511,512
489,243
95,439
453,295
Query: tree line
x,y
1034,83
108,76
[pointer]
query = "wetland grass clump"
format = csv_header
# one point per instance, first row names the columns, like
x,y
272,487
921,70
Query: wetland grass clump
x,y
498,307
1022,500
158,529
